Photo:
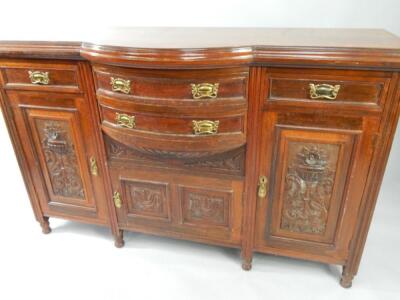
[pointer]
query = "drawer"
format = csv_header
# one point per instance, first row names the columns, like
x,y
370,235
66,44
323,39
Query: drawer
x,y
183,125
178,205
174,137
190,86
361,89
40,75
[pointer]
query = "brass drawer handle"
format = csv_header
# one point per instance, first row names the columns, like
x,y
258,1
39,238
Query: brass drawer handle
x,y
120,85
117,200
205,90
125,120
324,91
93,166
205,127
262,187
38,77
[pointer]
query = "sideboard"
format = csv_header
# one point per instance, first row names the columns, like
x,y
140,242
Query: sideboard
x,y
265,140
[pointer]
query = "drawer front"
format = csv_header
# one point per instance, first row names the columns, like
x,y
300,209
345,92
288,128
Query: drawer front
x,y
178,205
180,138
359,89
41,75
167,85
186,125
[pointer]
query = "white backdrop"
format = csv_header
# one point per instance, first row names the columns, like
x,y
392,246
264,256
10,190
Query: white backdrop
x,y
79,262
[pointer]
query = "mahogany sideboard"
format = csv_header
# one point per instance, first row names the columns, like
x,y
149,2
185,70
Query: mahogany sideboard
x,y
266,140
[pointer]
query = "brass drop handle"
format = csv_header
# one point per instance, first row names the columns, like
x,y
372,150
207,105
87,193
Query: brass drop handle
x,y
125,120
93,166
204,127
324,91
120,85
39,77
117,200
262,187
205,90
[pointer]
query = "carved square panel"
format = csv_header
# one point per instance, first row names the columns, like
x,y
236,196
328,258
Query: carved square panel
x,y
147,199
205,207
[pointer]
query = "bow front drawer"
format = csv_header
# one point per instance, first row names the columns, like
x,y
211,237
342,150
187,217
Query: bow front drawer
x,y
315,88
185,87
174,137
41,75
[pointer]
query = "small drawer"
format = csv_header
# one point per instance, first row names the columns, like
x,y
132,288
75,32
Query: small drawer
x,y
43,75
196,86
336,87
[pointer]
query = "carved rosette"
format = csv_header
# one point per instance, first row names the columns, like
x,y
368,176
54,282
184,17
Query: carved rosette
x,y
308,188
61,159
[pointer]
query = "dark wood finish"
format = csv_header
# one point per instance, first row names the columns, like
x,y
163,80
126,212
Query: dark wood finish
x,y
324,159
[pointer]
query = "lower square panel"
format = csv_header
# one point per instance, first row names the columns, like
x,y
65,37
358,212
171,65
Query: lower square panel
x,y
204,207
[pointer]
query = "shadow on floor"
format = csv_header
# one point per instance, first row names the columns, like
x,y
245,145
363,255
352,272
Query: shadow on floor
x,y
261,263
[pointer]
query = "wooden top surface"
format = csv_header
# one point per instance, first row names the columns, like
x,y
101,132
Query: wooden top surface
x,y
189,38
167,46
203,37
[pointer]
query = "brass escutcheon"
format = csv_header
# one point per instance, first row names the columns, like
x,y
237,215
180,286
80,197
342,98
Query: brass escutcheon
x,y
125,120
205,90
39,77
324,91
205,127
120,85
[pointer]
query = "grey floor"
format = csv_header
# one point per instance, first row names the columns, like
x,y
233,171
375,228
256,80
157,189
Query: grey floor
x,y
79,261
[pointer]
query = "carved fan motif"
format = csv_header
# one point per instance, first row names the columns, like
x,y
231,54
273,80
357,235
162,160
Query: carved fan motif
x,y
308,187
233,161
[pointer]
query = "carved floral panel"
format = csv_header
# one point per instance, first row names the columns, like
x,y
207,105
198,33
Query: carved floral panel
x,y
308,186
147,199
60,158
205,207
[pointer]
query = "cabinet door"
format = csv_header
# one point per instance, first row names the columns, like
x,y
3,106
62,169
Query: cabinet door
x,y
180,205
58,136
316,167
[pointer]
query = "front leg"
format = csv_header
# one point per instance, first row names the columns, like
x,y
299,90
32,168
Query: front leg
x,y
246,260
45,224
347,279
119,239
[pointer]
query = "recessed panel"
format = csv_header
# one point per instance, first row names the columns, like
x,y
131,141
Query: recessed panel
x,y
147,199
205,207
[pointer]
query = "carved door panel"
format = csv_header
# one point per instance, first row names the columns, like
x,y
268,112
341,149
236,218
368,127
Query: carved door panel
x,y
59,144
178,205
316,170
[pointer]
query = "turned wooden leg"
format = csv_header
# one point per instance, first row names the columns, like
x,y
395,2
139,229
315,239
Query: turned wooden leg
x,y
119,239
45,224
246,261
347,279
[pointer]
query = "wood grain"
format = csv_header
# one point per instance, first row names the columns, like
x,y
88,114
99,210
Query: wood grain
x,y
324,159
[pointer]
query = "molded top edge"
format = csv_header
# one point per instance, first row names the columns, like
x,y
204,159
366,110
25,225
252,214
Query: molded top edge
x,y
177,47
